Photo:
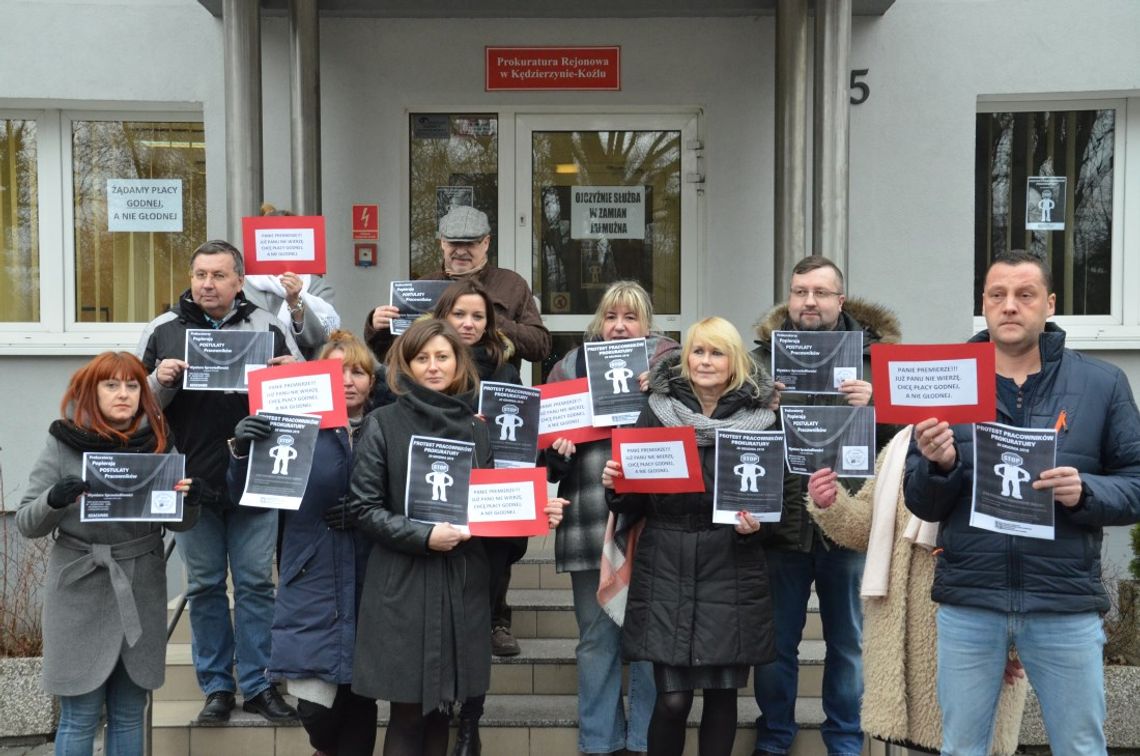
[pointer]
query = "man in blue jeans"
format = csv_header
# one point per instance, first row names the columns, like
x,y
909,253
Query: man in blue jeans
x,y
798,551
226,537
998,590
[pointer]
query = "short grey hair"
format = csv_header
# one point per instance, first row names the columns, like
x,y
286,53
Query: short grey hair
x,y
217,247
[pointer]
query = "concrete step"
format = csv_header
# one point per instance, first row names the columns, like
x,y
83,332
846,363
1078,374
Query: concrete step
x,y
530,725
546,666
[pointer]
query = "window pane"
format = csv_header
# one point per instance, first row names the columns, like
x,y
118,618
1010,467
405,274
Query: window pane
x,y
132,275
454,161
1044,184
609,204
19,223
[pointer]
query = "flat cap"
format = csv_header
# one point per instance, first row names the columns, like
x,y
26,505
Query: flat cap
x,y
464,224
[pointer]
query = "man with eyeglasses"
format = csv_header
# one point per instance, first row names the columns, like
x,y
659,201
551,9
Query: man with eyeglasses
x,y
1044,596
226,535
798,551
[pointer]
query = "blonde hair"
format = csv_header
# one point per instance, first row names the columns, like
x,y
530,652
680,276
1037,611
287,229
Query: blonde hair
x,y
629,295
354,353
718,333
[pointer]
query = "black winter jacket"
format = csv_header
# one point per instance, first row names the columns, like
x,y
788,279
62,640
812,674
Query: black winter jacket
x,y
796,530
1100,437
699,592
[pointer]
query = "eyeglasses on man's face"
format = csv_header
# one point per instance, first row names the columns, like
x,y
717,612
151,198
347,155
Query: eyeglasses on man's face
x,y
820,295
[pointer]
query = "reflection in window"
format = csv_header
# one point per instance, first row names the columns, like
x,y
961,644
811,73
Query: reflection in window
x,y
1044,184
454,161
19,223
609,209
132,275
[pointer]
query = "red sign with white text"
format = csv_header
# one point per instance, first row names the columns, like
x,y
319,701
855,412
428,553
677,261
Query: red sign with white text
x,y
565,411
495,499
658,460
301,388
955,383
276,244
553,68
366,222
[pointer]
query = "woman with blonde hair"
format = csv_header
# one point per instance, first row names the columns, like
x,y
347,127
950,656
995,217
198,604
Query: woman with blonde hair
x,y
104,594
699,607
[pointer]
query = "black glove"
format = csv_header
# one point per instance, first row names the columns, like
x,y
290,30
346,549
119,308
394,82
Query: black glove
x,y
199,494
249,429
66,491
342,515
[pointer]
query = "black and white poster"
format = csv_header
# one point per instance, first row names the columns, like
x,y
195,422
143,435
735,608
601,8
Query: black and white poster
x,y
448,198
613,369
220,360
841,438
749,475
1006,462
439,477
413,299
1045,203
123,487
279,466
511,413
816,361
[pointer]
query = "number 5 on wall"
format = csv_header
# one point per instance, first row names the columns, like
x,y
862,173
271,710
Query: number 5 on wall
x,y
864,91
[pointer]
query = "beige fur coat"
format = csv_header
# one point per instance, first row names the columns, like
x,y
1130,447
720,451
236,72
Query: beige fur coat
x,y
900,663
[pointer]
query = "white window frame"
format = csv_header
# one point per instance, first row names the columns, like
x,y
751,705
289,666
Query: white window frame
x,y
58,332
1120,328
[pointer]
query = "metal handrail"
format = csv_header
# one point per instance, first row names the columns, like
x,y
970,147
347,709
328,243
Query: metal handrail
x,y
148,740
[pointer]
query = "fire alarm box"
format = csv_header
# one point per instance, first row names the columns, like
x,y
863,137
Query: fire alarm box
x,y
365,255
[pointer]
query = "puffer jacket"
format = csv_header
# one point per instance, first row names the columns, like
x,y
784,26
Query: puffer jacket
x,y
698,595
1091,404
578,539
797,531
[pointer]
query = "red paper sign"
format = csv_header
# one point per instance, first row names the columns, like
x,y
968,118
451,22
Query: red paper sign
x,y
536,525
365,222
276,244
574,402
640,448
955,383
302,388
553,68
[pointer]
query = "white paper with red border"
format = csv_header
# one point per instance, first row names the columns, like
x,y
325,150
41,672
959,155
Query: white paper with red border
x,y
301,388
566,411
675,467
301,238
522,491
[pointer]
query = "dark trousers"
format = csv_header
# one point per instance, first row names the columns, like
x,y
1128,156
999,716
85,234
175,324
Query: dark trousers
x,y
346,729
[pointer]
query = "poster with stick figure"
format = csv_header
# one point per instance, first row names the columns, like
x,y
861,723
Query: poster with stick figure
x,y
439,476
613,369
279,467
1045,203
511,413
749,475
1007,460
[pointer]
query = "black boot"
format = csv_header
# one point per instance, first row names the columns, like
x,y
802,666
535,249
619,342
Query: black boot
x,y
467,738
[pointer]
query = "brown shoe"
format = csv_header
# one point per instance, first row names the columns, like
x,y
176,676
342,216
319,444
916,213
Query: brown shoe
x,y
503,643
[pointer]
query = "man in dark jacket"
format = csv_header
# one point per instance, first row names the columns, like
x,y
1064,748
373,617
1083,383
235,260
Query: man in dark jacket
x,y
242,537
997,590
464,238
798,551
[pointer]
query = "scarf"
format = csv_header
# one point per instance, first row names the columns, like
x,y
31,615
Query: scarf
x,y
142,441
473,273
673,413
322,309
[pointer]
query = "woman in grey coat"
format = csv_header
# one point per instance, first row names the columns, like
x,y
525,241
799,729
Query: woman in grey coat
x,y
104,596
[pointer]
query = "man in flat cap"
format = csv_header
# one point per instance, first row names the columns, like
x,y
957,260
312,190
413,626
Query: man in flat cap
x,y
465,236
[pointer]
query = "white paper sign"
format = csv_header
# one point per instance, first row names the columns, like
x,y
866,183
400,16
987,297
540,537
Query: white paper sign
x,y
664,459
285,244
607,212
501,502
561,413
144,204
303,395
934,383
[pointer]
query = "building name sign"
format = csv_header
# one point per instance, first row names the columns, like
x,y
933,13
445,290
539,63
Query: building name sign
x,y
597,68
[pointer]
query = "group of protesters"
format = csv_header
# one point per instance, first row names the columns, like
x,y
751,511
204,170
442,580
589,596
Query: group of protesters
x,y
931,625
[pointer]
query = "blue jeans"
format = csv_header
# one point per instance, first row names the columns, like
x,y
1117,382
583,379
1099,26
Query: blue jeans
x,y
79,718
1062,656
836,572
245,539
602,726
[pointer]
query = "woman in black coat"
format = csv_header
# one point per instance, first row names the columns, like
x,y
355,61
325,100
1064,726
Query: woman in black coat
x,y
699,607
322,561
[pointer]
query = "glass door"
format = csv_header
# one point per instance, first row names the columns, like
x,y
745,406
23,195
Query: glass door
x,y
602,198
